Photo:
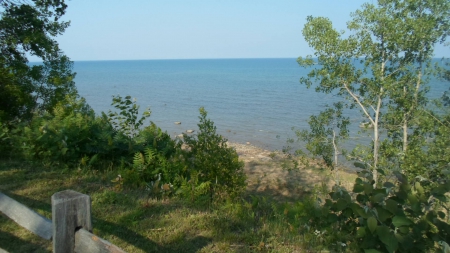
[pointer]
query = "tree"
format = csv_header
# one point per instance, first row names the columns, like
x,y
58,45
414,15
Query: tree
x,y
328,130
381,68
29,27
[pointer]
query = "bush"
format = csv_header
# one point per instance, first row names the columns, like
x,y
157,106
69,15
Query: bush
x,y
71,134
398,216
212,163
61,135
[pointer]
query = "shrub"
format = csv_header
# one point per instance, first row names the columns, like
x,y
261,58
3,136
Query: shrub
x,y
61,135
214,163
399,216
72,134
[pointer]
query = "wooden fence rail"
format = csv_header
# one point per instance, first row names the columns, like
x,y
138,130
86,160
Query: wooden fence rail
x,y
71,225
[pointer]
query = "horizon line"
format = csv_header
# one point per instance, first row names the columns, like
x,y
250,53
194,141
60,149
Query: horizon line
x,y
169,59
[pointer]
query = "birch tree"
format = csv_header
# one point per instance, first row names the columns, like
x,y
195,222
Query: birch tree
x,y
381,67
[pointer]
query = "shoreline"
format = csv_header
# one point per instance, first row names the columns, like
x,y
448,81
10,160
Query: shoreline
x,y
267,176
250,151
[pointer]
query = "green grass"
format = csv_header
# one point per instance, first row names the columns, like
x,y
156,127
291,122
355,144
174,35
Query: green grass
x,y
132,221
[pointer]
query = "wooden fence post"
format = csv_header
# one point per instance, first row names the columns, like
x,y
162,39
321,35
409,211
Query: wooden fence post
x,y
71,211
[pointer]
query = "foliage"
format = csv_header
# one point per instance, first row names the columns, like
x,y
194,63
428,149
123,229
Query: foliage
x,y
328,129
399,201
72,134
29,28
381,68
151,149
150,168
64,135
126,120
210,159
4,145
193,189
398,216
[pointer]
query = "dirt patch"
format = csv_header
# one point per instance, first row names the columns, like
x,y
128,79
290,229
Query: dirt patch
x,y
267,174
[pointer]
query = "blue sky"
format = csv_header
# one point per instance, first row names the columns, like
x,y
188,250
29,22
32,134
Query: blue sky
x,y
188,29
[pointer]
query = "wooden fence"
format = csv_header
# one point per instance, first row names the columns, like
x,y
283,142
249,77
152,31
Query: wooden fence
x,y
70,228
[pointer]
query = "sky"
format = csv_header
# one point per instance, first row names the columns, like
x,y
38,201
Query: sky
x,y
196,29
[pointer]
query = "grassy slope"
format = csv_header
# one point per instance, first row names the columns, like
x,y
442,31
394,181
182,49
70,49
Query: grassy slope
x,y
129,219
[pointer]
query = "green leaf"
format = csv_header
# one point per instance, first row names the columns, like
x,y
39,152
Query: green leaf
x,y
412,198
332,218
399,221
402,194
357,188
400,177
381,172
368,188
403,230
419,188
347,213
359,210
378,198
360,232
341,204
360,165
388,238
361,198
388,185
383,214
391,206
372,224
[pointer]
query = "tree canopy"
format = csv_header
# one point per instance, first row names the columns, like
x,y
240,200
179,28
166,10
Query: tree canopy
x,y
30,28
381,67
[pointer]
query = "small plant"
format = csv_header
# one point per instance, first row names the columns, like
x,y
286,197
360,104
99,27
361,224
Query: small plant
x,y
193,189
125,120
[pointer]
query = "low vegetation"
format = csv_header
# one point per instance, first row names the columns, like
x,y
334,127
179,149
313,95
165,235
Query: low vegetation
x,y
137,221
154,193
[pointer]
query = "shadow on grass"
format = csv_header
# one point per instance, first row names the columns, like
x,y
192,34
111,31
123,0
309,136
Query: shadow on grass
x,y
126,219
183,243
124,233
13,243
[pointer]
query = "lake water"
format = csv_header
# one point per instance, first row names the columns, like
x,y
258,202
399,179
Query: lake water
x,y
249,100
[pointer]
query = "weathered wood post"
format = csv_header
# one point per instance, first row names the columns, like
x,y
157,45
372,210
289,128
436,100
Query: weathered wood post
x,y
71,211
